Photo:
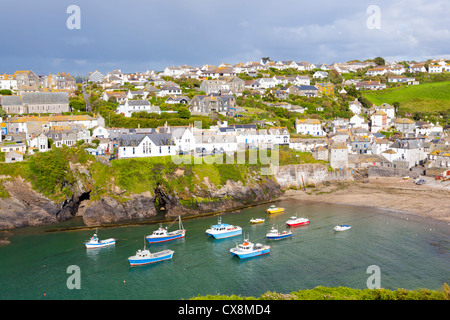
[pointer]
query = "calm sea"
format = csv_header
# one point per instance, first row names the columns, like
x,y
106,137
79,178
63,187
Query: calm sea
x,y
410,254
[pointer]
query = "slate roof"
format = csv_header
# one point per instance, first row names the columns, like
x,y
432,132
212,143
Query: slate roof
x,y
45,98
11,101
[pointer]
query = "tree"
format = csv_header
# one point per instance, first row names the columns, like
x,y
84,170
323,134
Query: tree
x,y
184,113
396,106
379,61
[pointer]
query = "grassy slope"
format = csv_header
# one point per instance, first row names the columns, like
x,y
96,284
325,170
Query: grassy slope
x,y
343,293
426,97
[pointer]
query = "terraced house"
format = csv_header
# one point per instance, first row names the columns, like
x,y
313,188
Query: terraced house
x,y
311,127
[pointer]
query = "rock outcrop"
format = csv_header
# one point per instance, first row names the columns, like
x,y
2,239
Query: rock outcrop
x,y
302,175
26,207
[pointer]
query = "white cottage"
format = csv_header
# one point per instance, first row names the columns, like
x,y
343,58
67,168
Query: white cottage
x,y
145,145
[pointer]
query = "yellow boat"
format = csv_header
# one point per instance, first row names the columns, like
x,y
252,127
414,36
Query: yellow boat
x,y
274,209
257,220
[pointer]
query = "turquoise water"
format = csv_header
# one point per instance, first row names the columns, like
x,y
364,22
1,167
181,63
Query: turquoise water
x,y
410,254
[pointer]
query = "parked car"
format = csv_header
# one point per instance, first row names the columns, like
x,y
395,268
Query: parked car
x,y
420,181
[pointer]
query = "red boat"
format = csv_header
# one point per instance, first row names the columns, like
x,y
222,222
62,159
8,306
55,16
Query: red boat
x,y
294,221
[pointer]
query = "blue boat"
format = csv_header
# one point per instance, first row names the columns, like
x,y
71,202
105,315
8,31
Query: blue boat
x,y
143,257
163,235
248,249
274,234
223,230
95,242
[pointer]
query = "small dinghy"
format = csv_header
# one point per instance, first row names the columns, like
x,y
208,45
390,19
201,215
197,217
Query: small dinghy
x,y
341,227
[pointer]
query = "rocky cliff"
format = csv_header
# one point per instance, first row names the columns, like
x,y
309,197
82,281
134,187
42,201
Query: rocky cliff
x,y
206,199
303,175
24,206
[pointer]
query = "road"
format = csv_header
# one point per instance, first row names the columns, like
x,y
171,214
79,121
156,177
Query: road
x,y
86,98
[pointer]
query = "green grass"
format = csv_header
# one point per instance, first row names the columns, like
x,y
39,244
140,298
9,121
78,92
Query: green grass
x,y
426,97
343,293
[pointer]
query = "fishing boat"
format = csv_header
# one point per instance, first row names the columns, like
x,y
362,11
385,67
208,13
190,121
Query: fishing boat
x,y
341,227
294,221
223,230
163,235
274,209
143,257
274,234
248,249
256,221
95,242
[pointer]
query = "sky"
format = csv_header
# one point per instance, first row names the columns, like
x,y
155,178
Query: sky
x,y
140,35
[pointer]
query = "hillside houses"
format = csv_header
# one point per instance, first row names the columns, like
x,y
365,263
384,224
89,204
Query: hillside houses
x,y
206,104
128,107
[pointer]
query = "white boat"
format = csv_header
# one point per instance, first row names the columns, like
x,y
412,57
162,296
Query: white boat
x,y
257,220
341,227
295,221
248,249
143,257
163,235
223,230
95,242
274,234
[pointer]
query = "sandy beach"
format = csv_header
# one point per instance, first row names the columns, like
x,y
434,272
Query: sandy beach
x,y
394,195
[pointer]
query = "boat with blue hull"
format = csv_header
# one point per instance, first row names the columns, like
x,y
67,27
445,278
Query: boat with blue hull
x,y
143,257
274,234
163,235
223,230
95,242
248,249
342,227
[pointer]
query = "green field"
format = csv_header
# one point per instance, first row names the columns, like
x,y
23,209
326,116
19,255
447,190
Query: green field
x,y
426,97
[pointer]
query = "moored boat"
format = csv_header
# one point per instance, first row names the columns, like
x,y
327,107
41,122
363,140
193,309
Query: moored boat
x,y
341,227
256,221
163,235
295,221
223,230
274,209
95,242
274,234
143,257
248,249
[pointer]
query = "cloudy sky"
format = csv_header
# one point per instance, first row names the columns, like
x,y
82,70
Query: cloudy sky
x,y
140,35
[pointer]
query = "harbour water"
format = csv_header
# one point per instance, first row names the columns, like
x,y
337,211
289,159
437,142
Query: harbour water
x,y
410,253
